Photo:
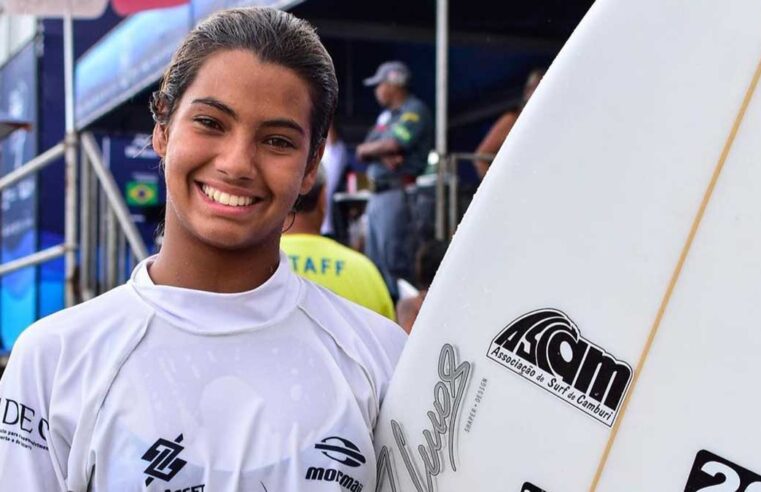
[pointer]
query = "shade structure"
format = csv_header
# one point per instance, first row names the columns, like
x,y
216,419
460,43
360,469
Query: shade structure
x,y
81,9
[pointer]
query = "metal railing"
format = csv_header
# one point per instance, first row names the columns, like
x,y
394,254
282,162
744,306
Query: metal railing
x,y
38,163
106,220
108,242
448,213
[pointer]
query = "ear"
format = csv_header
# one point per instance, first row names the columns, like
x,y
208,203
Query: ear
x,y
159,139
310,174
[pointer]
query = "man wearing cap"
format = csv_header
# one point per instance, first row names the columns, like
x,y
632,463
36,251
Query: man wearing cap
x,y
396,150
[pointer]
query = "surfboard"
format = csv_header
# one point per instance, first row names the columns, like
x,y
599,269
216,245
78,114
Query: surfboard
x,y
594,324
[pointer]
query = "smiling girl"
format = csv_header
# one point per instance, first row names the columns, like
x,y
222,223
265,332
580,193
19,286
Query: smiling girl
x,y
215,368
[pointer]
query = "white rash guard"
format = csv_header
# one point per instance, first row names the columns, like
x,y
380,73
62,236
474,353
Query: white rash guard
x,y
156,388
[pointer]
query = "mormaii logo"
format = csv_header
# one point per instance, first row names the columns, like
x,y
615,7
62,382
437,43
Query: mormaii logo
x,y
330,475
342,450
545,347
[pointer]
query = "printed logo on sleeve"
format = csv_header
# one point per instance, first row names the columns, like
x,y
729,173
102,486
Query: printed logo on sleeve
x,y
343,451
22,425
714,473
546,347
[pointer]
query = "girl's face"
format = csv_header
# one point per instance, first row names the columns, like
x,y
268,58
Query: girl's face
x,y
236,152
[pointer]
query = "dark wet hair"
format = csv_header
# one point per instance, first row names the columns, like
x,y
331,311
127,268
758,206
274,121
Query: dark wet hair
x,y
275,37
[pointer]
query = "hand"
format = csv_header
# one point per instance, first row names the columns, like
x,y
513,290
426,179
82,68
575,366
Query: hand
x,y
392,162
361,152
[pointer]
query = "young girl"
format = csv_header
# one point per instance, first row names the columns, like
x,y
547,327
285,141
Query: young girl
x,y
215,368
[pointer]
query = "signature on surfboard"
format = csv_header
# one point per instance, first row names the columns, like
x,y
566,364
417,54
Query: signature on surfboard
x,y
447,396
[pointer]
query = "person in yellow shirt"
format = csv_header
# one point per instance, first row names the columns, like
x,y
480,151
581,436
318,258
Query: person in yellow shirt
x,y
344,271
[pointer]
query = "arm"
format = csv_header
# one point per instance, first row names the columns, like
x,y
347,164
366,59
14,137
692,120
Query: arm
x,y
403,136
494,140
27,459
386,150
407,311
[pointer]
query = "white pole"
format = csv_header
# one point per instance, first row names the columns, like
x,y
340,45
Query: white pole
x,y
71,161
442,50
442,72
68,70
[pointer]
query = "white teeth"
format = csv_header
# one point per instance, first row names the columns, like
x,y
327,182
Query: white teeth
x,y
226,198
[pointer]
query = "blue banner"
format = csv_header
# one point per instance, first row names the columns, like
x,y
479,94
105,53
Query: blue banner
x,y
135,165
135,53
18,234
127,60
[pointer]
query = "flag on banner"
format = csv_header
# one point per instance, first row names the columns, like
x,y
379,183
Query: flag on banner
x,y
126,7
142,193
81,9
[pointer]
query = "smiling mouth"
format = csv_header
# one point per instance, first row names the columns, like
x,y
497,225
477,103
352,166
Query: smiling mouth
x,y
226,198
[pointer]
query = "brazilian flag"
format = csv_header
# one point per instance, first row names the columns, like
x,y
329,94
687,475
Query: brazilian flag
x,y
142,193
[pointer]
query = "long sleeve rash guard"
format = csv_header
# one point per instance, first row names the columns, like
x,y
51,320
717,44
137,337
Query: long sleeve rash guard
x,y
156,388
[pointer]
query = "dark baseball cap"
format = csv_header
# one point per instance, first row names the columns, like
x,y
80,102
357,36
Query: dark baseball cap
x,y
393,72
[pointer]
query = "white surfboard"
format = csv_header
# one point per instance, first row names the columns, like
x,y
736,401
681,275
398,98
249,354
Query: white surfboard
x,y
595,323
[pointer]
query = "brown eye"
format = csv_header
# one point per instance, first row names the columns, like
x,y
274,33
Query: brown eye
x,y
208,122
279,142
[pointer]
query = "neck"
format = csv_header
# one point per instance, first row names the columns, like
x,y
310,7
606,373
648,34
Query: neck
x,y
190,263
397,100
308,223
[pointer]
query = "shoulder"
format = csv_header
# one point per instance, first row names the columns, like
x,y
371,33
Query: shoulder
x,y
59,369
86,318
367,332
81,331
415,105
366,346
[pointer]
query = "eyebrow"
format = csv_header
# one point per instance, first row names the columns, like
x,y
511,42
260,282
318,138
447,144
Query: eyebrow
x,y
273,123
284,123
215,103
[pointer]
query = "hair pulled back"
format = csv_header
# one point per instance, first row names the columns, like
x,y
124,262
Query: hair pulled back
x,y
275,37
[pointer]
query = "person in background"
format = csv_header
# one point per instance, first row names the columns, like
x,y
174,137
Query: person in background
x,y
329,263
427,262
334,161
499,131
396,150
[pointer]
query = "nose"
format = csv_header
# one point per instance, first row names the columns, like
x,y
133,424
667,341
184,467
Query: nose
x,y
237,159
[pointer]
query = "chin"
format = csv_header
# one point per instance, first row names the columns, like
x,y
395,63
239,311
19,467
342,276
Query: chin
x,y
231,242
